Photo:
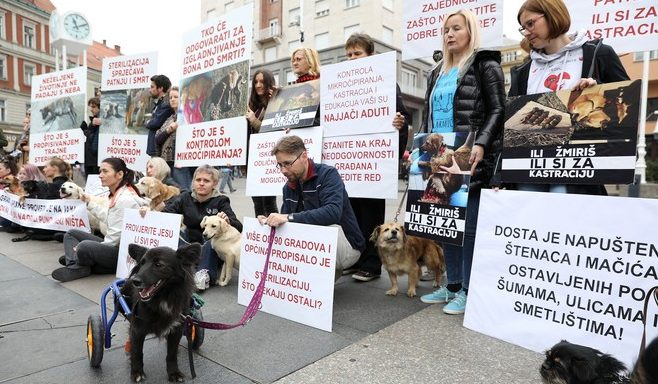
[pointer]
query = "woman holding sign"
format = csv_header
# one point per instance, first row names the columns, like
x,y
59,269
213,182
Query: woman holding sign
x,y
558,61
85,253
473,82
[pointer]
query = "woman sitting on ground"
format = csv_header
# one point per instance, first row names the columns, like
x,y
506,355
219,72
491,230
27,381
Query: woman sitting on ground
x,y
157,167
85,253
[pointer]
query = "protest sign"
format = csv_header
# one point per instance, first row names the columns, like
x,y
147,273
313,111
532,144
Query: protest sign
x,y
628,26
93,186
368,164
58,215
358,96
126,106
300,281
58,108
551,266
155,229
214,91
569,137
292,106
263,176
422,23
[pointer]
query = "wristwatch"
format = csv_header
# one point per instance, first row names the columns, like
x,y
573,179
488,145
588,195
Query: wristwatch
x,y
291,218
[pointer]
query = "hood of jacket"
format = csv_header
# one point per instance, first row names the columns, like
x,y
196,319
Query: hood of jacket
x,y
577,40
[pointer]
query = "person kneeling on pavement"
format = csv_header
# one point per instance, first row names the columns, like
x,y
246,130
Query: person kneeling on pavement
x,y
315,194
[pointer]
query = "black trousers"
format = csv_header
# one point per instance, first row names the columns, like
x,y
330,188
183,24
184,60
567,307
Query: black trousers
x,y
370,213
264,205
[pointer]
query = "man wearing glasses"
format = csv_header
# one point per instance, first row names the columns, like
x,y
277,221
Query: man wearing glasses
x,y
315,194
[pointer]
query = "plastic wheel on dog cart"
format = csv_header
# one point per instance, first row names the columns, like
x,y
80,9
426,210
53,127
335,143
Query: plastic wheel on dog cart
x,y
95,340
198,333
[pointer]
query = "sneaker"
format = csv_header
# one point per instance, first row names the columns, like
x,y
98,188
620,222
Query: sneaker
x,y
62,260
441,295
365,276
222,192
202,280
456,306
350,271
233,190
65,274
428,275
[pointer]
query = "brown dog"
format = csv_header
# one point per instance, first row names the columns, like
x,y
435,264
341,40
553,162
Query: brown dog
x,y
157,191
403,254
13,185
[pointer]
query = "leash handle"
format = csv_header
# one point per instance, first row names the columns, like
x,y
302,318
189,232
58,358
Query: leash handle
x,y
404,195
254,303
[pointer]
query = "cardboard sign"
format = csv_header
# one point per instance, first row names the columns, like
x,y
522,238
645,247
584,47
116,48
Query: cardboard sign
x,y
422,23
368,164
126,105
569,137
300,279
263,176
58,215
214,91
292,106
156,229
58,108
549,266
358,96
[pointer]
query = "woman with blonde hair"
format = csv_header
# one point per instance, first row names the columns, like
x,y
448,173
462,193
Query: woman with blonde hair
x,y
157,167
305,64
465,94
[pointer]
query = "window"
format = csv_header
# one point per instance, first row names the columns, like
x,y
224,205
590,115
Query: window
x,y
292,45
3,67
408,77
388,4
29,70
639,56
348,31
274,27
294,17
652,106
290,77
321,8
3,110
322,41
28,35
2,25
352,3
211,14
28,108
387,35
270,54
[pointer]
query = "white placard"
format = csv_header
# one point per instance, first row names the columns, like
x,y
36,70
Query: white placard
x,y
422,23
628,26
128,72
263,176
300,279
214,91
58,215
550,266
156,229
358,96
368,164
58,108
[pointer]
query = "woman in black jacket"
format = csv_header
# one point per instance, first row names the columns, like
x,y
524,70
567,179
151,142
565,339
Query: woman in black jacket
x,y
465,93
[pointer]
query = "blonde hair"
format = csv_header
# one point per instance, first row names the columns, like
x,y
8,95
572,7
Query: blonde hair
x,y
162,169
473,29
312,58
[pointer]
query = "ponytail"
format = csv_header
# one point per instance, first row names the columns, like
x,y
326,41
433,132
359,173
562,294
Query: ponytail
x,y
128,178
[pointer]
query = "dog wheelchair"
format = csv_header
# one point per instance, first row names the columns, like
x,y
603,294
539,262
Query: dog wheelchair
x,y
99,336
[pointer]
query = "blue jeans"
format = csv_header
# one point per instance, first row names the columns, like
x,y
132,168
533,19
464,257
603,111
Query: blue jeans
x,y
227,178
460,259
183,176
552,188
210,261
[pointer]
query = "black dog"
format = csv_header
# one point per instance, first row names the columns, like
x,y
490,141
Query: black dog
x,y
646,368
568,363
159,290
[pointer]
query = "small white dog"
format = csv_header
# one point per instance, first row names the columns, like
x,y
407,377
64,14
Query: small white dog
x,y
70,190
225,240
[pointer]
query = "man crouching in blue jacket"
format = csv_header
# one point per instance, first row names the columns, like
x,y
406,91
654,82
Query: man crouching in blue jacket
x,y
315,194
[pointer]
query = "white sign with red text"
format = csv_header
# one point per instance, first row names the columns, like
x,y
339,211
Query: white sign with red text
x,y
263,176
358,96
300,280
422,24
155,229
58,215
368,164
58,108
214,91
125,104
628,26
577,268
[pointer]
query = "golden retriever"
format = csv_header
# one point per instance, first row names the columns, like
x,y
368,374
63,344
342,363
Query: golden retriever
x,y
70,190
403,254
156,191
225,240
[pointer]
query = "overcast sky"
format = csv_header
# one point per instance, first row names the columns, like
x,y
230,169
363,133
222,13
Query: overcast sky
x,y
140,26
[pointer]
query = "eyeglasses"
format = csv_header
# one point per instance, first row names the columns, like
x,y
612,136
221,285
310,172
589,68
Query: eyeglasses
x,y
288,164
529,25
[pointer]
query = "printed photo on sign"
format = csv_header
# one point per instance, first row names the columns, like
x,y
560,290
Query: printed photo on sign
x,y
439,177
551,266
292,106
566,137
